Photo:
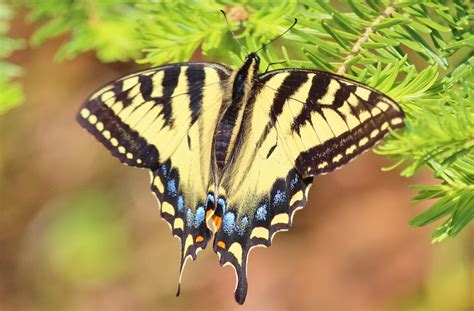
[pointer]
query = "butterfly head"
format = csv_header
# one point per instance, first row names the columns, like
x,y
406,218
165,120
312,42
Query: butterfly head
x,y
244,77
254,62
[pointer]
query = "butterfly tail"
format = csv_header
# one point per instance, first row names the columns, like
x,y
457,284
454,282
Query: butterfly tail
x,y
241,232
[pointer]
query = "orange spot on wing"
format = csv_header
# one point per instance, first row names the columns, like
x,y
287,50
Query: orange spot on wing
x,y
217,222
209,213
221,244
199,238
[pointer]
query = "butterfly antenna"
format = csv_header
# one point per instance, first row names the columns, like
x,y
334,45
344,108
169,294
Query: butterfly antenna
x,y
278,37
233,34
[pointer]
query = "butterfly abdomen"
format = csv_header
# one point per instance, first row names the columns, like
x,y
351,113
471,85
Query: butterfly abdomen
x,y
222,141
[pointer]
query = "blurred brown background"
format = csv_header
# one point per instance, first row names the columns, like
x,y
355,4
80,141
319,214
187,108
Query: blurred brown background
x,y
80,231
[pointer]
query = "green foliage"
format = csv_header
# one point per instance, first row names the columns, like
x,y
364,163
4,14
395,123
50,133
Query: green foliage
x,y
177,35
11,94
189,25
84,239
446,147
108,27
419,52
447,284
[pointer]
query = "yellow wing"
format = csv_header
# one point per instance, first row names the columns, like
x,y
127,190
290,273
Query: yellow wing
x,y
299,124
163,119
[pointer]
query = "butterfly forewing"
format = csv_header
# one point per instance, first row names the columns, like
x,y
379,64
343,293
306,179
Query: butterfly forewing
x,y
326,120
154,119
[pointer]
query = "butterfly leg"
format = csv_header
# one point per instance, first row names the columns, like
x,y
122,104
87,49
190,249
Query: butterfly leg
x,y
271,64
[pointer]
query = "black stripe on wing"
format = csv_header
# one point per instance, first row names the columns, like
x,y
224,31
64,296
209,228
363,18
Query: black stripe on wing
x,y
335,152
350,118
121,140
100,115
196,78
291,85
170,81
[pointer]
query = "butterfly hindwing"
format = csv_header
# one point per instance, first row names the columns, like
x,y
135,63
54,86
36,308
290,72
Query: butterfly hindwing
x,y
150,119
254,221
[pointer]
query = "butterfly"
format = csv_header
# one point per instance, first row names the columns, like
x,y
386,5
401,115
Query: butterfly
x,y
232,154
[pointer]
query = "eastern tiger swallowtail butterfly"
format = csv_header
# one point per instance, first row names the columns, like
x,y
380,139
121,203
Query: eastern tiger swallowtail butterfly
x,y
232,154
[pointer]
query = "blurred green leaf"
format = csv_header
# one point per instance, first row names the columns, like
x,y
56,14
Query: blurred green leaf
x,y
447,282
108,27
86,242
11,93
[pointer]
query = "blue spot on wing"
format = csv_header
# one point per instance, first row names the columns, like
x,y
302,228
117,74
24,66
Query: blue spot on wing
x,y
189,217
229,223
199,217
261,212
171,187
164,169
221,202
180,203
279,198
243,223
210,198
294,182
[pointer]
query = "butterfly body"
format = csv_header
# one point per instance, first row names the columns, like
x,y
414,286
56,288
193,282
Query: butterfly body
x,y
229,125
232,154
